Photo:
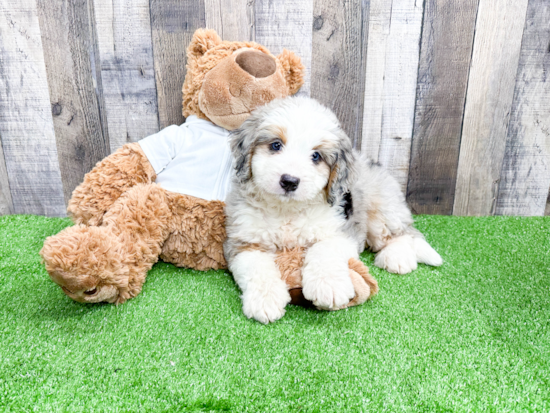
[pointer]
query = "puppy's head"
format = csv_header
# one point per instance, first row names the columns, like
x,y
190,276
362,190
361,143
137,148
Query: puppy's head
x,y
294,149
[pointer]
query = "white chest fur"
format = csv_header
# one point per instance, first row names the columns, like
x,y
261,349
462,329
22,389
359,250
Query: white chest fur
x,y
282,225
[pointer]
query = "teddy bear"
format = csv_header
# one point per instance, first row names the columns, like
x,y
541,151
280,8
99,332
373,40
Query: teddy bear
x,y
162,197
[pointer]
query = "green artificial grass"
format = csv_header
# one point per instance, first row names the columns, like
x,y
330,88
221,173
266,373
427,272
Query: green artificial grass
x,y
472,335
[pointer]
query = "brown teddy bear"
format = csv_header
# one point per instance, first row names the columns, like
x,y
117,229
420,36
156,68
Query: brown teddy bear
x,y
163,197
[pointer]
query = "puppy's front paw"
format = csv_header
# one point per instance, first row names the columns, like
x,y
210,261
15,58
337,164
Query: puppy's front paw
x,y
328,292
398,257
265,306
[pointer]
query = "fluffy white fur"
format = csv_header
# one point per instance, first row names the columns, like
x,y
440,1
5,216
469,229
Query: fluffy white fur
x,y
341,204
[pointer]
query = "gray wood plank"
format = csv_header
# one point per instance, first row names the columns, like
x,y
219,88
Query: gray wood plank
x,y
6,204
125,54
173,23
67,41
379,30
445,53
525,176
392,126
495,57
233,20
340,30
26,125
287,24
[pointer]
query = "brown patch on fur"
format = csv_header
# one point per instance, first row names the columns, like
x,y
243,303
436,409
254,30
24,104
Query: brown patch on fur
x,y
109,179
250,247
280,132
331,179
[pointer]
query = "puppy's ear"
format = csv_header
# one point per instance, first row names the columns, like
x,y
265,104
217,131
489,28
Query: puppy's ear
x,y
241,142
342,170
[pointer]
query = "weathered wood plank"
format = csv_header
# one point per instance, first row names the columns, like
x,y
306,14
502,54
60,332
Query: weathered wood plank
x,y
445,52
286,24
497,44
6,204
525,176
125,53
67,40
233,20
340,30
379,30
398,93
173,24
26,125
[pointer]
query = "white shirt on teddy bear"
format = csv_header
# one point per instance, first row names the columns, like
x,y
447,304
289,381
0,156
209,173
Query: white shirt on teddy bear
x,y
191,159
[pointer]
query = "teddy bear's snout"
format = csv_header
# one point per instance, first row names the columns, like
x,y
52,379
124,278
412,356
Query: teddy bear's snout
x,y
256,63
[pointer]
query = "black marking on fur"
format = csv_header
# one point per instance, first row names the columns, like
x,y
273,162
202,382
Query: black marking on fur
x,y
347,205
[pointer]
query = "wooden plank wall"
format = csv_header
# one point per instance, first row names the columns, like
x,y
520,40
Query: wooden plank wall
x,y
452,96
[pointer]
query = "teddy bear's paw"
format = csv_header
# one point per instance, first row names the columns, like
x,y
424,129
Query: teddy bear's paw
x,y
329,292
266,304
398,257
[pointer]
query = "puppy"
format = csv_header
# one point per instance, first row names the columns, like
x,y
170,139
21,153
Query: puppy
x,y
298,183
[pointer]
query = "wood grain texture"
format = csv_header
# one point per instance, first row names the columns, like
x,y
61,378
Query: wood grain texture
x,y
287,24
67,40
497,44
26,125
125,54
233,20
446,49
340,30
379,30
6,204
398,93
525,176
173,23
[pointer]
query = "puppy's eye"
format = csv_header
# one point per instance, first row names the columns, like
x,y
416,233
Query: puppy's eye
x,y
316,157
276,146
91,291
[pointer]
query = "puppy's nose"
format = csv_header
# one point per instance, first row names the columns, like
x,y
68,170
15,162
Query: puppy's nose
x,y
256,63
289,183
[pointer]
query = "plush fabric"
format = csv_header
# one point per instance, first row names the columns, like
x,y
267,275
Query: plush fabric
x,y
125,221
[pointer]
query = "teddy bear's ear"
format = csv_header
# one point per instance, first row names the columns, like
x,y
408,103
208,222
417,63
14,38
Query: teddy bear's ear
x,y
293,70
203,40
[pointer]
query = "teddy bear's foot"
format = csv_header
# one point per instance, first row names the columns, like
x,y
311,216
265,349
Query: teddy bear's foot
x,y
365,285
89,264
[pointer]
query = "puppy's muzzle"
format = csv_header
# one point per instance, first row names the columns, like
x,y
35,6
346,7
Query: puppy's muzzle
x,y
289,183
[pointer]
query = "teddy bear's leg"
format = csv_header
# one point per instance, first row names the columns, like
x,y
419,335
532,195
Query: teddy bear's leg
x,y
114,256
365,285
109,179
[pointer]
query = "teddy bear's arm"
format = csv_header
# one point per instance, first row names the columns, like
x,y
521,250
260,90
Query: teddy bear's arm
x,y
111,177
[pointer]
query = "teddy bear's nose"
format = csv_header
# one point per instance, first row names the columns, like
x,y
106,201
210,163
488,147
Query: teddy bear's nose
x,y
258,64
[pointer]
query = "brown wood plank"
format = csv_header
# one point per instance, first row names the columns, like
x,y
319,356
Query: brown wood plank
x,y
445,52
338,66
495,57
233,20
286,25
26,125
173,23
126,69
67,40
525,176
